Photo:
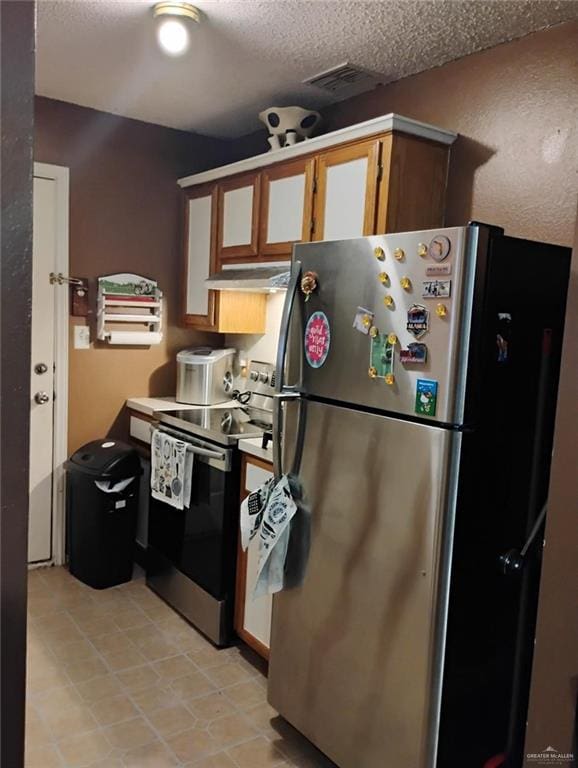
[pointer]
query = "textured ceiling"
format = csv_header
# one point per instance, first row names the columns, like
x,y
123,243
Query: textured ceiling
x,y
250,54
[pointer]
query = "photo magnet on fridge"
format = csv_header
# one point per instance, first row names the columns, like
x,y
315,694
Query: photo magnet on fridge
x,y
426,393
436,289
363,320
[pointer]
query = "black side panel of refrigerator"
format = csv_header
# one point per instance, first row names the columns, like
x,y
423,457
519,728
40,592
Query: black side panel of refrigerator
x,y
503,484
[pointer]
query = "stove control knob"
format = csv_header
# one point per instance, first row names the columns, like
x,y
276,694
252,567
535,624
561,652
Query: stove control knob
x,y
253,375
264,377
441,310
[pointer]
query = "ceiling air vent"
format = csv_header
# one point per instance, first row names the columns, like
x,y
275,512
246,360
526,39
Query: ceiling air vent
x,y
345,80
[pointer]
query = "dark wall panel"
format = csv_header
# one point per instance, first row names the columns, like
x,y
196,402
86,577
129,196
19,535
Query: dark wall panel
x,y
17,89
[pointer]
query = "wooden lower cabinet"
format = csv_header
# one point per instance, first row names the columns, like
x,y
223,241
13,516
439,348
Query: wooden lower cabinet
x,y
252,617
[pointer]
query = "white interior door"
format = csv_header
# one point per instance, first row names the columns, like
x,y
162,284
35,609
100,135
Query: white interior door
x,y
42,372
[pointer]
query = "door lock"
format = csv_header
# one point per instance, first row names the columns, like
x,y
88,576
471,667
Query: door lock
x,y
40,368
41,398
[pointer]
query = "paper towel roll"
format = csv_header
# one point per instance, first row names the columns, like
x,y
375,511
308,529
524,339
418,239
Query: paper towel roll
x,y
143,338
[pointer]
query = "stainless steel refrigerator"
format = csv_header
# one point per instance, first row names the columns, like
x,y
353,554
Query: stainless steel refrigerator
x,y
416,378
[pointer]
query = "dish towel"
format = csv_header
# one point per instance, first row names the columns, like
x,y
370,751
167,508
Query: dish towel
x,y
171,470
268,511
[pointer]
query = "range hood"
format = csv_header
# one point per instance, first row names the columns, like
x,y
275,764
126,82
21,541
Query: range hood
x,y
252,278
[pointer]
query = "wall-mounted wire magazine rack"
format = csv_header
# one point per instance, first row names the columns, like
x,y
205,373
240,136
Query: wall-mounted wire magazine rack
x,y
130,310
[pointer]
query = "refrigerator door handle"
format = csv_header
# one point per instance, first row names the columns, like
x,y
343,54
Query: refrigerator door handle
x,y
278,399
285,323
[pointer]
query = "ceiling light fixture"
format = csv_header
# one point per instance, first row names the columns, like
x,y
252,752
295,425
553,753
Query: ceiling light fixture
x,y
172,30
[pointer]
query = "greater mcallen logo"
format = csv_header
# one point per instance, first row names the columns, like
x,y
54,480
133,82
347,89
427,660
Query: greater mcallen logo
x,y
550,756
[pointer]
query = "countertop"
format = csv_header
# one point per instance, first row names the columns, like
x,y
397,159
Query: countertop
x,y
252,447
151,405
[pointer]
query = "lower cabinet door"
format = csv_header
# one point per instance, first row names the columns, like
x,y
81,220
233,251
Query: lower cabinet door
x,y
252,617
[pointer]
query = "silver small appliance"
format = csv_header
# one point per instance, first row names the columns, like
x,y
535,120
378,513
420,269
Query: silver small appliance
x,y
204,375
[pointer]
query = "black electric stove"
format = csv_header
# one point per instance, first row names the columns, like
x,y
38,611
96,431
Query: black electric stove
x,y
191,556
224,426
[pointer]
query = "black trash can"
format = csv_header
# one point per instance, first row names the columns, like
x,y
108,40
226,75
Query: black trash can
x,y
102,503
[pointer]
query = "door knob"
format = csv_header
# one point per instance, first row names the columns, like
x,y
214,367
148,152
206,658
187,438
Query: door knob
x,y
40,368
41,398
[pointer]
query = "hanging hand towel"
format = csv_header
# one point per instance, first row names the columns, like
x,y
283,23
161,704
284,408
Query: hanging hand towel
x,y
252,510
171,470
274,532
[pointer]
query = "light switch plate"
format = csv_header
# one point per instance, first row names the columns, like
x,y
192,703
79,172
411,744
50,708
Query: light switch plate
x,y
81,337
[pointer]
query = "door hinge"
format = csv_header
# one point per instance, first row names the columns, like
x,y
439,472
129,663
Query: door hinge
x,y
314,185
379,172
312,227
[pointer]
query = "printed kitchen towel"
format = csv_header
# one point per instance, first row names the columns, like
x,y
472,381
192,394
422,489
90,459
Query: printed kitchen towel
x,y
274,539
252,510
171,470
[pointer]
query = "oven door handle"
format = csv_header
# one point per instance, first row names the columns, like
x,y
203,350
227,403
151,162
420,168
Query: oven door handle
x,y
191,447
204,451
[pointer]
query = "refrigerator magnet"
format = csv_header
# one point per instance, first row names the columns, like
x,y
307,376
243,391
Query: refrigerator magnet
x,y
426,393
415,354
381,355
439,248
363,320
317,339
417,320
438,270
436,289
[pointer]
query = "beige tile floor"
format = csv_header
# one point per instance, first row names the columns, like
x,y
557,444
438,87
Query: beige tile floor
x,y
116,679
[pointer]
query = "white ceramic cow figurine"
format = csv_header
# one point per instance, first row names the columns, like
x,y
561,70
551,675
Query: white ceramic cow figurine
x,y
288,125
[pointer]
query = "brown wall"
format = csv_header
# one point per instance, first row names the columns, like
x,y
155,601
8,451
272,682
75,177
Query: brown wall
x,y
514,107
125,216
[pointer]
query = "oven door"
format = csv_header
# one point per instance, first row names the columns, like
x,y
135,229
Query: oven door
x,y
192,552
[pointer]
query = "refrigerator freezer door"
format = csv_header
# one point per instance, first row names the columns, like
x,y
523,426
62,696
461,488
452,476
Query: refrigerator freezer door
x,y
356,647
420,308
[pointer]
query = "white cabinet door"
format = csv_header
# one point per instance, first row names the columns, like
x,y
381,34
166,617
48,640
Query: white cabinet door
x,y
199,256
253,618
347,193
286,203
238,216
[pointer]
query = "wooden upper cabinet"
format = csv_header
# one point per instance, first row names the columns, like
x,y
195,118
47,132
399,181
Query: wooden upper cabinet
x,y
413,187
238,228
286,207
200,256
218,311
346,198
